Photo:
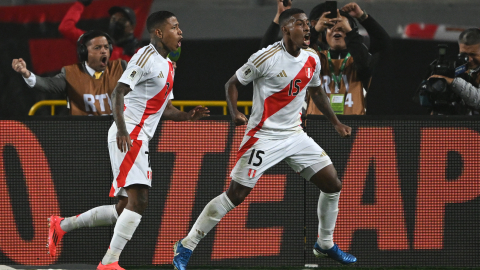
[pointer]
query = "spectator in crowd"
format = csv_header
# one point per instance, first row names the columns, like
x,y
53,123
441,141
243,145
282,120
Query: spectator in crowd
x,y
121,27
347,65
89,83
467,88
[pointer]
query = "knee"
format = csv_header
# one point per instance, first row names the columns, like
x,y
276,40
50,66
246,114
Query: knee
x,y
336,186
139,204
237,199
121,204
237,196
327,180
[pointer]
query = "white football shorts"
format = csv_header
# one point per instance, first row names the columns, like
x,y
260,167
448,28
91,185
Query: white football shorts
x,y
129,168
255,156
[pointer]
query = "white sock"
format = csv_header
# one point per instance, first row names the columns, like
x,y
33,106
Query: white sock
x,y
327,211
100,216
210,216
124,229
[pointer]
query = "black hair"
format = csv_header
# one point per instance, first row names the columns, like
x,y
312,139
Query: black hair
x,y
82,41
285,16
156,18
471,36
89,35
317,11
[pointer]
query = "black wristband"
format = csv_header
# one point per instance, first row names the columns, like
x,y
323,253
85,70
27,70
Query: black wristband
x,y
363,17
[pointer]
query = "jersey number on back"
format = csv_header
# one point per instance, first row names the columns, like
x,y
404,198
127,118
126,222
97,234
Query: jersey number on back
x,y
294,88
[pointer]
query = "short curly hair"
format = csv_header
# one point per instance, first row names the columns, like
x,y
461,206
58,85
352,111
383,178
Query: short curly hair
x,y
157,18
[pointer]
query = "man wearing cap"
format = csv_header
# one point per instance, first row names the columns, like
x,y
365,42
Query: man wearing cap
x,y
122,24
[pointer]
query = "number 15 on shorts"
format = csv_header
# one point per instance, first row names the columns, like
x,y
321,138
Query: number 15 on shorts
x,y
258,158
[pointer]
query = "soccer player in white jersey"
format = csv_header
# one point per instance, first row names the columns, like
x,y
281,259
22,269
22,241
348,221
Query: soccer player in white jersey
x,y
281,74
141,97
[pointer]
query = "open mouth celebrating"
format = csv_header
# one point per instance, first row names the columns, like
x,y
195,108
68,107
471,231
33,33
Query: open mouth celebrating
x,y
306,40
104,60
337,36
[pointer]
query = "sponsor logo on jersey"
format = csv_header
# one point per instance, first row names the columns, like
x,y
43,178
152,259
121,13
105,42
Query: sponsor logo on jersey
x,y
132,75
282,74
160,75
149,175
308,72
251,173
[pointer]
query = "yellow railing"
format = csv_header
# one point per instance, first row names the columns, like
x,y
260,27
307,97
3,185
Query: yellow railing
x,y
177,103
51,103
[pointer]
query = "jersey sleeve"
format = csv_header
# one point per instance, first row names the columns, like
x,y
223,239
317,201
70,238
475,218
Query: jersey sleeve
x,y
316,75
137,71
249,71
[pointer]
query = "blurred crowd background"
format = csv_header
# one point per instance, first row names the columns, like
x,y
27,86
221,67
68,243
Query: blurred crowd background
x,y
219,36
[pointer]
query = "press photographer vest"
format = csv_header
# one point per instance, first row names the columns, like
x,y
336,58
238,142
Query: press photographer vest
x,y
350,86
90,96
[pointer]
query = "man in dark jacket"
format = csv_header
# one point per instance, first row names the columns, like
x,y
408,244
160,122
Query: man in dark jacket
x,y
89,83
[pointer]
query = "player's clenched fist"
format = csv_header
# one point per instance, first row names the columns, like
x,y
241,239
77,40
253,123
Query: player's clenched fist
x,y
240,119
343,130
21,67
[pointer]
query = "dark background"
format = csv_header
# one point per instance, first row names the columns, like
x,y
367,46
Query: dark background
x,y
77,154
206,65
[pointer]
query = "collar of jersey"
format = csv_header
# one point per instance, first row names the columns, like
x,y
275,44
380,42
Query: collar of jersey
x,y
297,59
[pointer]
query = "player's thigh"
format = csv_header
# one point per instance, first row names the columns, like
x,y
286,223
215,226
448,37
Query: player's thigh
x,y
327,180
255,156
313,163
237,192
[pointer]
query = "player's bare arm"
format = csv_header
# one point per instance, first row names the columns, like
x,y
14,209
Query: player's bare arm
x,y
231,90
321,101
124,142
174,114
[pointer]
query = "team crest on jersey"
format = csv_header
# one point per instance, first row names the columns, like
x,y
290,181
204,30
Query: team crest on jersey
x,y
309,72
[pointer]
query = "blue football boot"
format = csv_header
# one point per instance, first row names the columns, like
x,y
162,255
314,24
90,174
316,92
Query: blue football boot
x,y
181,256
334,253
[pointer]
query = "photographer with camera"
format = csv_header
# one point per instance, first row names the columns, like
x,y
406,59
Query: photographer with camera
x,y
466,81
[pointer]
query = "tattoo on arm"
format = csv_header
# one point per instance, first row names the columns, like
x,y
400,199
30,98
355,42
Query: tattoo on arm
x,y
118,104
231,92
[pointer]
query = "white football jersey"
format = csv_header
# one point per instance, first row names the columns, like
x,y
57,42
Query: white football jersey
x,y
150,76
280,81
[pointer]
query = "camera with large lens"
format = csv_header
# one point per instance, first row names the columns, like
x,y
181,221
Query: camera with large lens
x,y
435,92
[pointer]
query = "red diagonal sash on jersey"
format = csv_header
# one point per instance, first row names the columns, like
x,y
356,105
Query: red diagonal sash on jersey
x,y
279,100
155,103
245,147
126,165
